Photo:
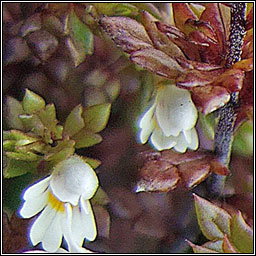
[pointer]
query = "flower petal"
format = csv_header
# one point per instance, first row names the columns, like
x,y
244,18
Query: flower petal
x,y
53,235
147,117
35,190
146,131
187,135
175,110
160,141
41,224
72,178
34,206
194,140
182,144
83,223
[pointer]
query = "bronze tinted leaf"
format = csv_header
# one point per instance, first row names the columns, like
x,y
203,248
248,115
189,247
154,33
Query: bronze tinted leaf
x,y
157,176
245,65
193,78
180,39
182,13
194,172
227,245
157,62
246,100
164,171
127,33
249,20
201,66
209,98
213,15
160,40
231,79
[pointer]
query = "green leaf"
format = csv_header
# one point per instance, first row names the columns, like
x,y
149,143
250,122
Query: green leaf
x,y
243,140
74,122
33,123
214,245
48,117
19,137
208,124
96,117
86,138
100,198
149,7
80,42
201,248
32,102
29,156
38,146
94,163
13,110
241,234
116,9
63,150
9,145
58,132
16,168
213,221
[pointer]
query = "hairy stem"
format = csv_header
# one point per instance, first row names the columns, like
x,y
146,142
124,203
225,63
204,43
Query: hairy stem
x,y
227,114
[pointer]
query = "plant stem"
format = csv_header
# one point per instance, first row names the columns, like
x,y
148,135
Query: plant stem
x,y
227,114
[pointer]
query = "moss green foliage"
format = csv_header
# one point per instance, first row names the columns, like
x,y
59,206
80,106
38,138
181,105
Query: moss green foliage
x,y
39,139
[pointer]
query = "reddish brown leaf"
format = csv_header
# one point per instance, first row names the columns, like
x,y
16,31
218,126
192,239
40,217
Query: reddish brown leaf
x,y
246,100
176,158
160,40
249,20
218,168
200,26
209,98
231,79
179,38
164,171
158,176
247,48
189,64
194,78
213,15
182,13
245,65
194,172
157,62
199,38
227,245
127,33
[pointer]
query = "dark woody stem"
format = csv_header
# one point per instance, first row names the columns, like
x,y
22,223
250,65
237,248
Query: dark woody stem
x,y
227,114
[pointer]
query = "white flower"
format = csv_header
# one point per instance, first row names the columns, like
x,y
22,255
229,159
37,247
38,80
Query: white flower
x,y
170,120
63,197
61,250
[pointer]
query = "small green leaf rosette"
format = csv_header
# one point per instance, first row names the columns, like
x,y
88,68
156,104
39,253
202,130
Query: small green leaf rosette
x,y
38,142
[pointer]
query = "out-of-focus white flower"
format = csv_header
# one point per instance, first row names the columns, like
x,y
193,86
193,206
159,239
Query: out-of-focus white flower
x,y
61,250
63,197
170,120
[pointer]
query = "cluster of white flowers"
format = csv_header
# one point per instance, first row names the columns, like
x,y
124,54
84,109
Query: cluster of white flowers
x,y
170,121
63,200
